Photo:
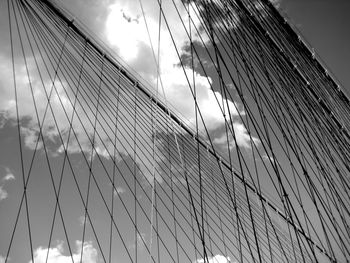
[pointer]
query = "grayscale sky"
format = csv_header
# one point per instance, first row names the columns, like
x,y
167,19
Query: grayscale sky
x,y
324,24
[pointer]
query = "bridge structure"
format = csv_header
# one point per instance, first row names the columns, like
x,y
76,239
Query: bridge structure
x,y
239,152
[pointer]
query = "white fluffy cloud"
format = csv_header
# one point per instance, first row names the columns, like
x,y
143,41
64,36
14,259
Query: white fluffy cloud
x,y
126,31
119,190
9,175
3,193
61,107
56,254
242,137
25,95
2,259
215,259
179,94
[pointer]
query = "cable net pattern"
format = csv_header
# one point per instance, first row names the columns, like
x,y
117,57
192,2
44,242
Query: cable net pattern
x,y
152,186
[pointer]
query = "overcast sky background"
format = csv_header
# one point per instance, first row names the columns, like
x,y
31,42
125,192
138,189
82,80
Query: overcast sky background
x,y
323,23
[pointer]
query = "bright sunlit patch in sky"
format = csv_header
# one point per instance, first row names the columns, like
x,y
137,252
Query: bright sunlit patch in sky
x,y
216,259
125,31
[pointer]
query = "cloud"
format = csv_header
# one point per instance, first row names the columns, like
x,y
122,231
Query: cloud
x,y
2,259
27,113
119,27
242,137
126,19
3,193
56,137
24,92
9,175
276,3
3,119
141,237
266,157
177,88
56,254
141,241
179,94
81,220
30,136
124,30
61,107
215,259
119,190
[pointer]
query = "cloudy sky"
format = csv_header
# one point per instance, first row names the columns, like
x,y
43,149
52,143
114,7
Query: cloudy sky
x,y
322,23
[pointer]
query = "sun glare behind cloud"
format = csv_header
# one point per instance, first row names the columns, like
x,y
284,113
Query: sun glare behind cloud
x,y
125,31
